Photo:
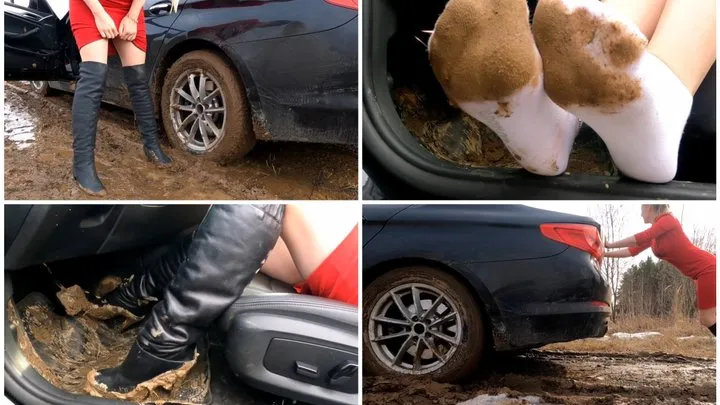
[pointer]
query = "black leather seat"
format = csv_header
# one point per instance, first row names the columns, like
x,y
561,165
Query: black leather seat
x,y
298,346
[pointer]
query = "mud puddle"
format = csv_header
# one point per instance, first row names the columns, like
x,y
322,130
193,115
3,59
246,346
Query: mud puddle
x,y
562,378
38,153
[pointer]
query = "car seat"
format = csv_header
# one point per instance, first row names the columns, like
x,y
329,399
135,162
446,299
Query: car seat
x,y
298,346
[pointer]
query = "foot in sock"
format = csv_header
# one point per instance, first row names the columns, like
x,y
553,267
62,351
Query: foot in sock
x,y
484,56
597,67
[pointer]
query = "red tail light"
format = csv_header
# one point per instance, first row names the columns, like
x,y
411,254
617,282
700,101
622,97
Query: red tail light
x,y
580,236
351,4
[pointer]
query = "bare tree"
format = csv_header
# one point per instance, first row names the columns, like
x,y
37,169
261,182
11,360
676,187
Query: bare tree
x,y
611,218
704,238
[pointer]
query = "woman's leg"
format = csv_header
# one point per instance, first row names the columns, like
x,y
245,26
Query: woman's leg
x,y
312,231
133,61
686,25
280,265
89,91
707,317
644,13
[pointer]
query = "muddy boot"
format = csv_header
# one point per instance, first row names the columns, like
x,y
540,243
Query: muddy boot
x,y
145,289
226,252
85,112
136,81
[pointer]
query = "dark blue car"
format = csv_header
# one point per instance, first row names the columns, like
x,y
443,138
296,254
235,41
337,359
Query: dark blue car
x,y
446,285
279,70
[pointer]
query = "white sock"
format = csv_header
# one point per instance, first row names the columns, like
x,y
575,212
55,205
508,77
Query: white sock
x,y
506,94
605,76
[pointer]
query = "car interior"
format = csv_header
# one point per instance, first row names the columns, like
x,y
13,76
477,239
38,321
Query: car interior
x,y
282,344
413,138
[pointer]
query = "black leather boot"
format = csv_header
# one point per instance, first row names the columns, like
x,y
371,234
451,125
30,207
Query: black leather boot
x,y
147,288
89,91
226,252
136,81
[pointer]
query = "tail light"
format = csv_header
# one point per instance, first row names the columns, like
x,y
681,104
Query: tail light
x,y
580,236
351,4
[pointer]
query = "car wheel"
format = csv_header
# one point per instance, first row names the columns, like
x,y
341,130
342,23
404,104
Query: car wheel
x,y
421,321
204,108
42,88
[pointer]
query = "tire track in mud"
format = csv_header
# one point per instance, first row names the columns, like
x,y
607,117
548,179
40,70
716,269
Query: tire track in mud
x,y
38,154
563,378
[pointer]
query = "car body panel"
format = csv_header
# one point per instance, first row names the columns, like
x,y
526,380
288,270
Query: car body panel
x,y
518,275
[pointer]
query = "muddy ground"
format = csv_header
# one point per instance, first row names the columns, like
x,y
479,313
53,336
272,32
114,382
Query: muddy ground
x,y
456,137
564,378
38,153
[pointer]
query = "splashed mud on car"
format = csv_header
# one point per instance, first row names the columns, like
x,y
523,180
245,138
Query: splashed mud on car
x,y
41,169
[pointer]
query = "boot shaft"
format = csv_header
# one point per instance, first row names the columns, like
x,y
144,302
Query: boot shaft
x,y
227,250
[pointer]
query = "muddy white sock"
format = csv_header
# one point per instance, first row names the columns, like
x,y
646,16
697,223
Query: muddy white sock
x,y
596,66
484,55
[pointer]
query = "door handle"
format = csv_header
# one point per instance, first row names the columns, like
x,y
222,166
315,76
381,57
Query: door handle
x,y
160,8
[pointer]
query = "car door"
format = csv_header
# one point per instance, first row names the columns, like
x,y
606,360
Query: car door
x,y
38,42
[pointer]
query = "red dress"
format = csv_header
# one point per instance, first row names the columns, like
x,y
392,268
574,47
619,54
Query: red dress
x,y
669,242
337,276
85,31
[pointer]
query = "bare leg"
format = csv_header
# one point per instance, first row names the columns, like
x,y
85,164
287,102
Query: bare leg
x,y
686,25
706,316
95,51
130,55
644,13
310,233
280,265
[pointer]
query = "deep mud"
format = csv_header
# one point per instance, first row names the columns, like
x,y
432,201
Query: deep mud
x,y
456,137
66,349
563,378
38,153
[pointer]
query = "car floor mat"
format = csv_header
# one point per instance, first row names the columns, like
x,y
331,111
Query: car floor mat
x,y
64,349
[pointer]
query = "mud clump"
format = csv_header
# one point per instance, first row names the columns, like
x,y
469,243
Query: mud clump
x,y
65,350
573,75
456,137
75,302
483,50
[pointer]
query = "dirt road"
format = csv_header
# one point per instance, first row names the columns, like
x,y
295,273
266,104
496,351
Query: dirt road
x,y
38,155
563,378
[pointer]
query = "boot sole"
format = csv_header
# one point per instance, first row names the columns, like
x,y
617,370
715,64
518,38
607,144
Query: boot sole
x,y
87,190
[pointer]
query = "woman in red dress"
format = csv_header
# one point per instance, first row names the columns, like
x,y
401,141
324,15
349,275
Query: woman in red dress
x,y
103,27
669,242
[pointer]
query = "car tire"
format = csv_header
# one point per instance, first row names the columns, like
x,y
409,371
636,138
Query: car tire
x,y
238,137
42,88
471,348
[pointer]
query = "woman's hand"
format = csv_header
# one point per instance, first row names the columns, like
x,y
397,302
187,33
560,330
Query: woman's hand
x,y
105,25
128,28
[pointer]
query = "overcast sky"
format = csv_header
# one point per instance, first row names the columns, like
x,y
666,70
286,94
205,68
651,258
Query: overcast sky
x,y
702,214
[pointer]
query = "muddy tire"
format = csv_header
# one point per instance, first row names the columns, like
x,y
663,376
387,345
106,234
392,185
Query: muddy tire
x,y
382,317
235,136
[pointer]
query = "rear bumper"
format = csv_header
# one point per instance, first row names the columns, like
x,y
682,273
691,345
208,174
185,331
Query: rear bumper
x,y
554,299
543,329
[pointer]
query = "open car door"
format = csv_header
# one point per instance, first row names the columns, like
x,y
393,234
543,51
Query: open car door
x,y
38,42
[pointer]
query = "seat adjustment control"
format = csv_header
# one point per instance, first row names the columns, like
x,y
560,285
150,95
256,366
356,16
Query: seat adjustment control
x,y
305,369
343,371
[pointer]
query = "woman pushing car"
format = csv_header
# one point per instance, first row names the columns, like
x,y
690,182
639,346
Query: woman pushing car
x,y
669,242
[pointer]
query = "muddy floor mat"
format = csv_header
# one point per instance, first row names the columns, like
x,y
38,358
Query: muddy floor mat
x,y
64,349
456,137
